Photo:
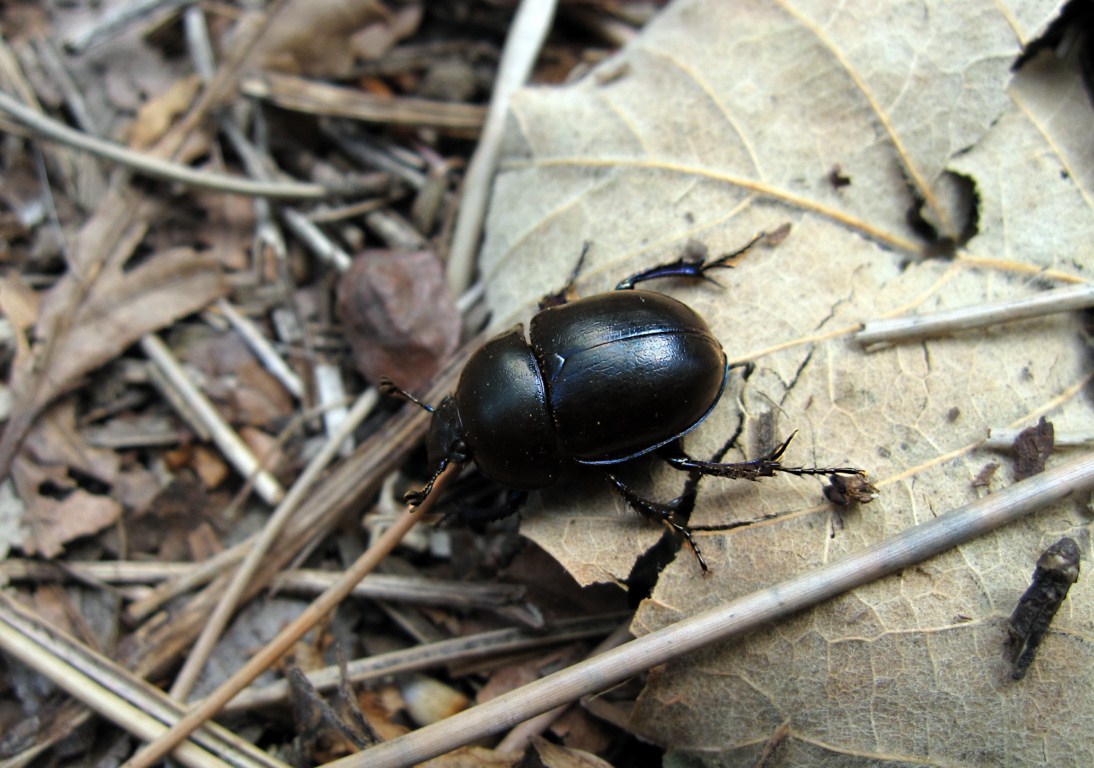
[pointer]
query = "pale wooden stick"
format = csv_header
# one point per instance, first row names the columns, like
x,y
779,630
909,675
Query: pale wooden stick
x,y
148,165
113,692
978,316
526,34
429,656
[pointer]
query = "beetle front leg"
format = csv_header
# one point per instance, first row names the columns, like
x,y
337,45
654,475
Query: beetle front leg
x,y
414,498
765,466
657,513
514,500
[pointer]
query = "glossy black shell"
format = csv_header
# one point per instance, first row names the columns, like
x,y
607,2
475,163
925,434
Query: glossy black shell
x,y
599,381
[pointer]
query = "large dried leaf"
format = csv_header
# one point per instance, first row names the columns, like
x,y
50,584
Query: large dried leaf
x,y
99,308
724,119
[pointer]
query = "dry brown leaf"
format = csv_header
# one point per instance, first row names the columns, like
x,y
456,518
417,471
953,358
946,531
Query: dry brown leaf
x,y
99,308
54,523
57,510
19,304
54,441
724,119
314,38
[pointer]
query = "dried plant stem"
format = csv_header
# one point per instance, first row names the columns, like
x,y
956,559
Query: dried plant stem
x,y
211,632
430,656
979,316
119,20
1003,439
732,619
517,740
199,574
113,692
526,35
277,647
147,165
317,98
235,450
312,236
301,581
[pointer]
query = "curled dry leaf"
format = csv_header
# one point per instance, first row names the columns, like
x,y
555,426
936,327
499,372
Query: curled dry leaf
x,y
728,120
57,510
397,316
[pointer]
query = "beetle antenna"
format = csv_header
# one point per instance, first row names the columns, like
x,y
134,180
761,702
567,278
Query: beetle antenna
x,y
388,387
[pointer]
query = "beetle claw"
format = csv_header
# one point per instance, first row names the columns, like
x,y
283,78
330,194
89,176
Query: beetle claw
x,y
658,513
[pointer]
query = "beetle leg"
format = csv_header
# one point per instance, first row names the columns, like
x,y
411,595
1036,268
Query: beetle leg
x,y
567,294
414,498
765,466
658,513
688,265
514,500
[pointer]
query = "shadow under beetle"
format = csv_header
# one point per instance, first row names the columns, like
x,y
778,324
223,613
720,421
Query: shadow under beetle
x,y
598,381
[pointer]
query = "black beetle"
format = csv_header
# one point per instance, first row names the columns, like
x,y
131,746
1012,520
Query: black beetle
x,y
597,381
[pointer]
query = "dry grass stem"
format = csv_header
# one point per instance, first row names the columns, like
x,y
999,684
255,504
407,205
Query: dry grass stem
x,y
317,98
526,35
147,165
106,688
1067,299
485,645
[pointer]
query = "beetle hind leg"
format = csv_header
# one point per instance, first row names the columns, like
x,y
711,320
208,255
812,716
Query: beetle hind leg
x,y
765,466
657,513
568,293
693,264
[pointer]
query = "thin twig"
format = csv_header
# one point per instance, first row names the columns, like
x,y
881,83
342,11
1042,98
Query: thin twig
x,y
731,619
430,656
977,316
1003,439
300,581
317,98
118,20
114,692
516,741
195,662
526,35
312,236
263,349
147,165
277,647
235,450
